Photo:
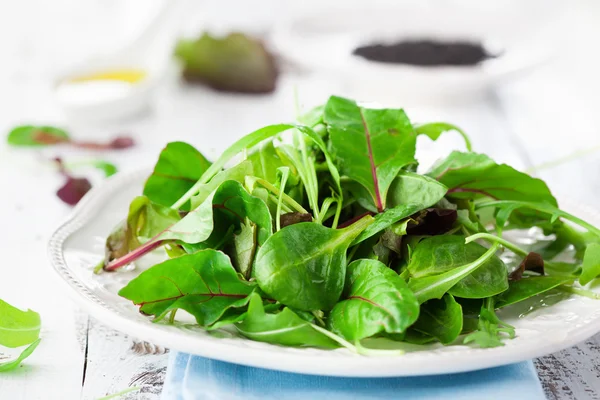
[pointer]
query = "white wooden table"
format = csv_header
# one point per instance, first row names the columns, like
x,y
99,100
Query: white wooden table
x,y
525,123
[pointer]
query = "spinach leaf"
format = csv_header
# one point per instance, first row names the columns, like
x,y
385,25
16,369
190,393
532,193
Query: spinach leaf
x,y
472,175
17,327
377,300
411,188
490,329
371,146
435,129
10,365
442,254
435,286
528,287
178,168
284,327
590,268
205,284
236,173
304,265
245,244
441,319
385,219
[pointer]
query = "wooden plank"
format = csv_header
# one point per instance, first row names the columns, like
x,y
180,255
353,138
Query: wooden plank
x,y
115,362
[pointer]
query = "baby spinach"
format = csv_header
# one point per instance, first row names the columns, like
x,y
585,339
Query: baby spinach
x,y
304,265
205,284
442,254
441,319
371,145
376,300
528,287
178,168
284,327
590,269
411,188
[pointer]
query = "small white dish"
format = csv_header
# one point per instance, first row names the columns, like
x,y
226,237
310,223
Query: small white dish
x,y
520,34
78,245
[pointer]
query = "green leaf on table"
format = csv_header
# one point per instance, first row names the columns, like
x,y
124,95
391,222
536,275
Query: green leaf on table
x,y
435,286
17,327
377,301
435,129
371,145
12,364
304,265
284,327
37,136
590,268
437,255
528,287
412,188
178,168
234,63
473,175
205,284
441,319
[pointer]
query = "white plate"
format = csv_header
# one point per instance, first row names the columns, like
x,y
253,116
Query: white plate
x,y
78,245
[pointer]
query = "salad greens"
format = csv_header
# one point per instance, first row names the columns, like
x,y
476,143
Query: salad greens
x,y
18,328
323,234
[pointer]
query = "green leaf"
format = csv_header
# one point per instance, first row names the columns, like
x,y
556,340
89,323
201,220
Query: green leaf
x,y
17,327
205,284
528,287
590,268
371,145
9,365
441,319
245,244
435,286
387,218
472,175
435,129
109,169
490,329
284,327
178,168
440,254
236,173
377,300
411,188
265,161
304,265
37,136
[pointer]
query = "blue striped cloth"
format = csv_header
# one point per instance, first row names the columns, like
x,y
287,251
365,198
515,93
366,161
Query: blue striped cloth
x,y
196,378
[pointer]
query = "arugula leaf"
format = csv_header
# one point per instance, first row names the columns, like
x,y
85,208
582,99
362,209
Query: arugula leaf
x,y
435,286
304,265
10,365
37,136
528,287
284,327
438,255
490,328
590,269
435,129
377,300
178,168
371,146
17,327
205,284
236,173
441,319
472,175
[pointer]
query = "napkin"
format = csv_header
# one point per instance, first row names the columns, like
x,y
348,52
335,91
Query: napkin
x,y
197,378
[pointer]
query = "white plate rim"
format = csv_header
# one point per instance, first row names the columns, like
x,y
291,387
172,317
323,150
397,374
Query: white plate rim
x,y
298,360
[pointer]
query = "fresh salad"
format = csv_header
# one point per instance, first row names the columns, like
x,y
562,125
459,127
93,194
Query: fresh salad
x,y
321,233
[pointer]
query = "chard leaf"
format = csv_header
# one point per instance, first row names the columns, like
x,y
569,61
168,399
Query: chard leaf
x,y
590,269
377,301
472,175
528,287
17,327
284,327
435,286
438,255
304,265
178,168
37,136
205,284
441,319
10,365
73,190
370,145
